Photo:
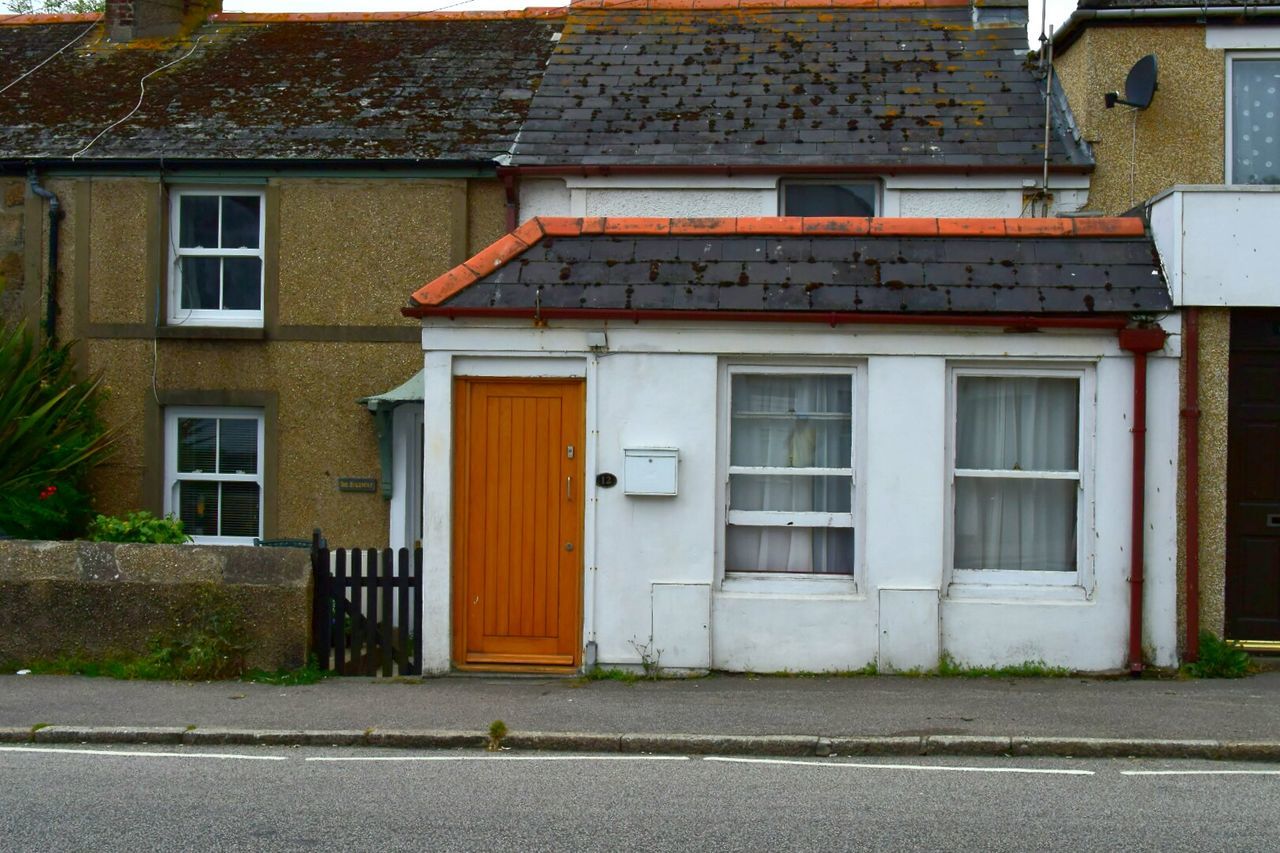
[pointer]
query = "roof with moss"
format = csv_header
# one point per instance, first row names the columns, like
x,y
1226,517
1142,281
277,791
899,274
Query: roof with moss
x,y
905,82
452,88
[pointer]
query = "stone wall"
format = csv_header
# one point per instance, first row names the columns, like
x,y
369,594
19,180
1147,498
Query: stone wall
x,y
12,208
97,599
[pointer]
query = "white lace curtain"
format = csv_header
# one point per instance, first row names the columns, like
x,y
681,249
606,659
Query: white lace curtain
x,y
790,421
1016,424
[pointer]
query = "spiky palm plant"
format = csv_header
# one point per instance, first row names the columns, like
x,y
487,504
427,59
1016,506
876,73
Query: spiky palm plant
x,y
50,436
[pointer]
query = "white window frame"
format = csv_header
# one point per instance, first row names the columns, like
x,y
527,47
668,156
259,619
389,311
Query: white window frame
x,y
790,582
1228,165
1082,577
176,314
876,186
172,477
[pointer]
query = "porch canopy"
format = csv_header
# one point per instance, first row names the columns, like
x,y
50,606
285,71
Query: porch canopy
x,y
1037,272
383,406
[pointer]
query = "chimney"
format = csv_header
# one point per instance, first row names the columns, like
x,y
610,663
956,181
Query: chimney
x,y
130,20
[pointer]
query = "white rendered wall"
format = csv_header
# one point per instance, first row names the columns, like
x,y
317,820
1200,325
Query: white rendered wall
x,y
758,195
650,559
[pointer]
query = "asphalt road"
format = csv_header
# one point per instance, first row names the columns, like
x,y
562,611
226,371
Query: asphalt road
x,y
63,798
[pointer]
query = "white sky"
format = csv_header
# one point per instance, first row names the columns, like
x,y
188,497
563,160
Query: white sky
x,y
1058,10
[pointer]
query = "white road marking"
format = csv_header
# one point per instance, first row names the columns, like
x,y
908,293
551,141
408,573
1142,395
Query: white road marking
x,y
942,768
1200,772
133,754
499,758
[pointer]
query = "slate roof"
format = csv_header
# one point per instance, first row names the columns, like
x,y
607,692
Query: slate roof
x,y
804,265
418,88
887,86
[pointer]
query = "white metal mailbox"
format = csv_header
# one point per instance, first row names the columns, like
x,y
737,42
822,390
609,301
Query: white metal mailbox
x,y
650,470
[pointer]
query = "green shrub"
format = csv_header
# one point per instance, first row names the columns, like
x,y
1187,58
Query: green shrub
x,y
1219,659
139,526
50,436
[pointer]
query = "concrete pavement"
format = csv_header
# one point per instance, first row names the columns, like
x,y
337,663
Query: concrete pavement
x,y
721,713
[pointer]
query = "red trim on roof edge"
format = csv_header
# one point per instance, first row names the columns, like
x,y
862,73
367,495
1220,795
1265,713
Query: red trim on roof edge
x,y
510,246
1008,322
60,18
363,17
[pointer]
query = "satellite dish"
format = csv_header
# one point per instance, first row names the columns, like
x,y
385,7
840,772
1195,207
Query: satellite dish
x,y
1139,87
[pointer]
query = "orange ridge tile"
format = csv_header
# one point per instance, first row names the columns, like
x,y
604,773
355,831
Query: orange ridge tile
x,y
642,225
444,287
495,254
530,232
592,225
971,227
705,225
769,225
560,226
845,225
903,226
1112,226
1038,227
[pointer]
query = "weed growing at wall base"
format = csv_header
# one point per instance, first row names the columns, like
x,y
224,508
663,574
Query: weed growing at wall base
x,y
1218,659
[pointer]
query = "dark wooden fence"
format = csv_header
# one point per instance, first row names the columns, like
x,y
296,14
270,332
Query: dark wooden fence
x,y
368,609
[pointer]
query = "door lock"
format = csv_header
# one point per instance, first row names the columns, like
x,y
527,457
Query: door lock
x,y
568,546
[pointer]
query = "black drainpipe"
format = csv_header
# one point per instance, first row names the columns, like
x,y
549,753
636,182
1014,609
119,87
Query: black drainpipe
x,y
55,215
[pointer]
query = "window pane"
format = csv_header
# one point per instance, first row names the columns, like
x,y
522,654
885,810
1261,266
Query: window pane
x,y
1255,124
240,221
200,284
196,437
1017,423
242,284
790,494
1027,525
198,221
238,446
811,550
829,199
240,509
791,421
198,508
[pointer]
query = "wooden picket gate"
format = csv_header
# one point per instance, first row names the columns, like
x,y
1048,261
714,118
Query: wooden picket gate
x,y
367,613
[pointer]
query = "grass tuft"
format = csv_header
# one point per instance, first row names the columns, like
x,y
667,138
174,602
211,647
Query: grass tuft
x,y
1219,658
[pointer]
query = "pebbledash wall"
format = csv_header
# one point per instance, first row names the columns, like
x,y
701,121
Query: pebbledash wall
x,y
338,250
653,570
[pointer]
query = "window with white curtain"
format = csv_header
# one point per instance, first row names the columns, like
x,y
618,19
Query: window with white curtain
x,y
1254,119
790,471
1017,480
213,472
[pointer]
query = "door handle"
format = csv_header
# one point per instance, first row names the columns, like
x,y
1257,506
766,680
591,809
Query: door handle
x,y
568,488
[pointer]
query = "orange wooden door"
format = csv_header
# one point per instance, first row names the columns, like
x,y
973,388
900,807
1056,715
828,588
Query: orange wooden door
x,y
518,497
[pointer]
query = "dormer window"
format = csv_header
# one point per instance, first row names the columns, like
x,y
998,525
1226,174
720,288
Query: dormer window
x,y
1254,133
829,198
216,250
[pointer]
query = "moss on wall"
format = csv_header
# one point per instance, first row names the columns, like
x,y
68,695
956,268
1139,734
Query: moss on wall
x,y
1179,138
98,599
351,252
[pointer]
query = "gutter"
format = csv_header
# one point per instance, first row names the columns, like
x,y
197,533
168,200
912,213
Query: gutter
x,y
1140,342
51,296
1081,18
